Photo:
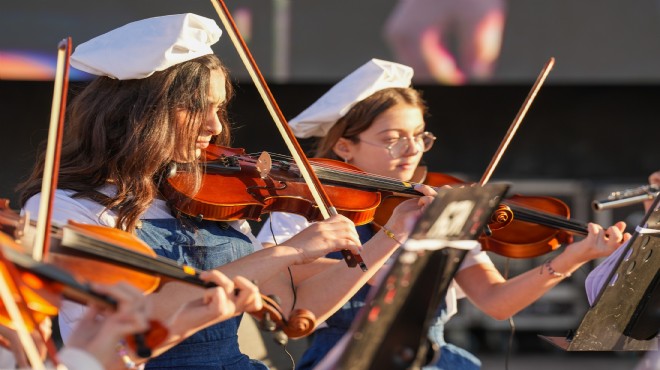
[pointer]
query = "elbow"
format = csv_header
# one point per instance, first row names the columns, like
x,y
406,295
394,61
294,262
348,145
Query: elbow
x,y
499,316
499,312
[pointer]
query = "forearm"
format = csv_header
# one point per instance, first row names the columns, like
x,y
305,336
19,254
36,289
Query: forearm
x,y
327,291
262,265
500,298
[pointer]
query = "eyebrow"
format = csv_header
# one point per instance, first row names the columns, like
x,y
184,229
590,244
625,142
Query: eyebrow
x,y
420,127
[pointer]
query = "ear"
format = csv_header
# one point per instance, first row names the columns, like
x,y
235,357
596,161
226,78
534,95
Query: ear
x,y
343,148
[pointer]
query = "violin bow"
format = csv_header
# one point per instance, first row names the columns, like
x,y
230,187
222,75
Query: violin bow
x,y
320,197
49,184
53,150
517,121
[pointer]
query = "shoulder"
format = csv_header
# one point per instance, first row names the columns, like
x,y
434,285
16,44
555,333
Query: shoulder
x,y
66,207
475,256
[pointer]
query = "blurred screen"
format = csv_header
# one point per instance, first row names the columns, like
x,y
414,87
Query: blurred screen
x,y
447,42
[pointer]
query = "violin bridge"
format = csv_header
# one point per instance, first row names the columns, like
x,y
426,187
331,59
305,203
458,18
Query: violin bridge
x,y
264,164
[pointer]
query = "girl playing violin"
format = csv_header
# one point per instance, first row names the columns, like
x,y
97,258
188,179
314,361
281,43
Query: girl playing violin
x,y
374,120
161,96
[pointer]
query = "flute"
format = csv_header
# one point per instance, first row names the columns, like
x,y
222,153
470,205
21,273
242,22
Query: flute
x,y
627,197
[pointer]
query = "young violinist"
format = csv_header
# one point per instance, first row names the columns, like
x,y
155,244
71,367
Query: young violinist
x,y
374,120
161,96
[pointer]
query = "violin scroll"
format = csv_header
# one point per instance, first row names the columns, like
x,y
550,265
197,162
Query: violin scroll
x,y
502,217
300,323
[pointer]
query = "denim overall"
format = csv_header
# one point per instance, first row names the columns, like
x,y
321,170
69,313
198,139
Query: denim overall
x,y
204,245
451,357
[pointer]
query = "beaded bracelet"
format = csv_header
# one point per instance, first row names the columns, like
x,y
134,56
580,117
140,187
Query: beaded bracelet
x,y
390,234
123,354
552,271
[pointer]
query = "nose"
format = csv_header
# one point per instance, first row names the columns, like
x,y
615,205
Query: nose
x,y
413,146
213,125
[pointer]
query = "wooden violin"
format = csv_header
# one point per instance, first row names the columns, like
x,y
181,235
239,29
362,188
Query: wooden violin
x,y
522,227
239,186
43,287
107,255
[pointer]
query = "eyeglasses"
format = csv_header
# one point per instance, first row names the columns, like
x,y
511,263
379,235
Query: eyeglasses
x,y
423,143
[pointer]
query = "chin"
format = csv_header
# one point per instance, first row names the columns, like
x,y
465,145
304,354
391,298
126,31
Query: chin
x,y
402,175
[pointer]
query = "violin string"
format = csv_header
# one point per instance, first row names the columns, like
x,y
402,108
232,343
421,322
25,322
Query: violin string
x,y
547,219
347,176
352,177
539,215
346,171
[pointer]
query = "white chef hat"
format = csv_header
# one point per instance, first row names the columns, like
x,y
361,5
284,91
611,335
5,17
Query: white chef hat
x,y
140,48
373,76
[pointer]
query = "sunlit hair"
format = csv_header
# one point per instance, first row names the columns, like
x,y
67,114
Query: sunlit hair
x,y
360,117
124,133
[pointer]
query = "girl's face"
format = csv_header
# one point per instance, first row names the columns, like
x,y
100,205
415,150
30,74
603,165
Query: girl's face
x,y
401,122
210,125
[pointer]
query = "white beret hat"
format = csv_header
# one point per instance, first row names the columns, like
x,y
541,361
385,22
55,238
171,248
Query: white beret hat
x,y
373,76
140,48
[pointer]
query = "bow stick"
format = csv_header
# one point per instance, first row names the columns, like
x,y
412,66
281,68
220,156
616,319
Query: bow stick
x,y
53,149
315,187
517,121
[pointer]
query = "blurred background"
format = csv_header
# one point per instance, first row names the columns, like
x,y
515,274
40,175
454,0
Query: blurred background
x,y
592,129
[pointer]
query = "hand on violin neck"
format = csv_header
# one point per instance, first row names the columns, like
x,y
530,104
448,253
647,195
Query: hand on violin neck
x,y
599,242
427,190
408,212
320,238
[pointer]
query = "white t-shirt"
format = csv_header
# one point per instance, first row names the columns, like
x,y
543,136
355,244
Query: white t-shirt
x,y
87,211
286,225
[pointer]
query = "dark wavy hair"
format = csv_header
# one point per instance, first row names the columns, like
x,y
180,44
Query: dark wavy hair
x,y
124,132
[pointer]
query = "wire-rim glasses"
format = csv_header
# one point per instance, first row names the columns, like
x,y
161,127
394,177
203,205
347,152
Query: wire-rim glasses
x,y
423,142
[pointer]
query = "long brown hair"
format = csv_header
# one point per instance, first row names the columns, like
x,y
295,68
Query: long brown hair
x,y
360,117
123,133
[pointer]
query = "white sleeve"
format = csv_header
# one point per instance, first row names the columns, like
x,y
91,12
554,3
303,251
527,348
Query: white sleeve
x,y
77,359
69,315
66,208
475,256
284,226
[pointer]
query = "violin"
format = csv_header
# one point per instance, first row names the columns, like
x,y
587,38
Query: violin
x,y
107,255
239,186
43,286
522,227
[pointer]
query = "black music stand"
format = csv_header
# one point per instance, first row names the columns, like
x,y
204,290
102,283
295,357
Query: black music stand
x,y
626,313
390,332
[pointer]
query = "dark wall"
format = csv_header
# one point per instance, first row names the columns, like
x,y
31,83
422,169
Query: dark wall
x,y
594,133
